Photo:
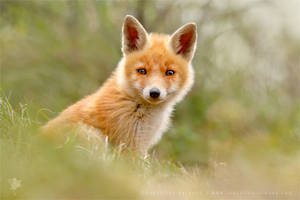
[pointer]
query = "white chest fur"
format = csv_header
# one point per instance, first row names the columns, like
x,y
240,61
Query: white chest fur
x,y
152,122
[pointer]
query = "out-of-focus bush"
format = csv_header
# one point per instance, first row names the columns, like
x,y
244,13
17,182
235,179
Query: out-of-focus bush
x,y
246,93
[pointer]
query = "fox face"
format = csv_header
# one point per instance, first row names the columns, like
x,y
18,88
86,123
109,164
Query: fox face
x,y
157,67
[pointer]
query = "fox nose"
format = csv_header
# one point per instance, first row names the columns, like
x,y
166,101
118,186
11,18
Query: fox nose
x,y
154,93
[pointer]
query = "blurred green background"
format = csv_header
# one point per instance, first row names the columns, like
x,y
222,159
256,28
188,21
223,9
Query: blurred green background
x,y
237,130
247,91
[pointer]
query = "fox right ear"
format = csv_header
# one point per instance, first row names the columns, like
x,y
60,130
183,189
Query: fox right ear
x,y
183,41
134,36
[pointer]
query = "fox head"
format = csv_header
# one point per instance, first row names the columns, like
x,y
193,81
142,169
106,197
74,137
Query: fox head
x,y
156,67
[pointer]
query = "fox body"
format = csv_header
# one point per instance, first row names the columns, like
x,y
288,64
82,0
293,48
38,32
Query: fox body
x,y
134,105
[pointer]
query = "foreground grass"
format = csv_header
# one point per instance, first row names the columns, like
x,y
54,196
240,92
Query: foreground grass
x,y
35,168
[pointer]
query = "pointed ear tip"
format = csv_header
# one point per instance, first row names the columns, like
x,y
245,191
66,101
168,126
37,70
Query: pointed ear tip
x,y
189,27
193,25
129,18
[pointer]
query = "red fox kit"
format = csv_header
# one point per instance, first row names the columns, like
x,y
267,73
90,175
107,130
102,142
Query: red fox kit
x,y
134,105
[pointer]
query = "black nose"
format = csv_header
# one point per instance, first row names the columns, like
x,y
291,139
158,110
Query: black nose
x,y
154,93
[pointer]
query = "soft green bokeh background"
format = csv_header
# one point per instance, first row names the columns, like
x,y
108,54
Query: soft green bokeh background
x,y
243,108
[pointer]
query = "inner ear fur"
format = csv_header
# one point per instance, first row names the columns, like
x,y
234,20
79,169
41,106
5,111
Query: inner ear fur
x,y
183,41
134,36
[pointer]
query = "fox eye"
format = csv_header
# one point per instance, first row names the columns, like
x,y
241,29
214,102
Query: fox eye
x,y
170,73
142,71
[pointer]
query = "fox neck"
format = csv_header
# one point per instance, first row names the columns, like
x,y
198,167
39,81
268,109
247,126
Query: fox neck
x,y
128,118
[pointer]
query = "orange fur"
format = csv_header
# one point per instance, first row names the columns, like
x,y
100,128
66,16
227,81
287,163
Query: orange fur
x,y
119,110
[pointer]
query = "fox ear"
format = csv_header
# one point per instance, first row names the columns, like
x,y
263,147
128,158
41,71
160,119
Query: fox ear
x,y
134,36
183,41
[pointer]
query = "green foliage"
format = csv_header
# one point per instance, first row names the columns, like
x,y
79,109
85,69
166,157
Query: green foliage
x,y
244,108
54,53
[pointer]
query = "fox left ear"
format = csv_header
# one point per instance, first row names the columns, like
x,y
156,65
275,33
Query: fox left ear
x,y
183,41
134,36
